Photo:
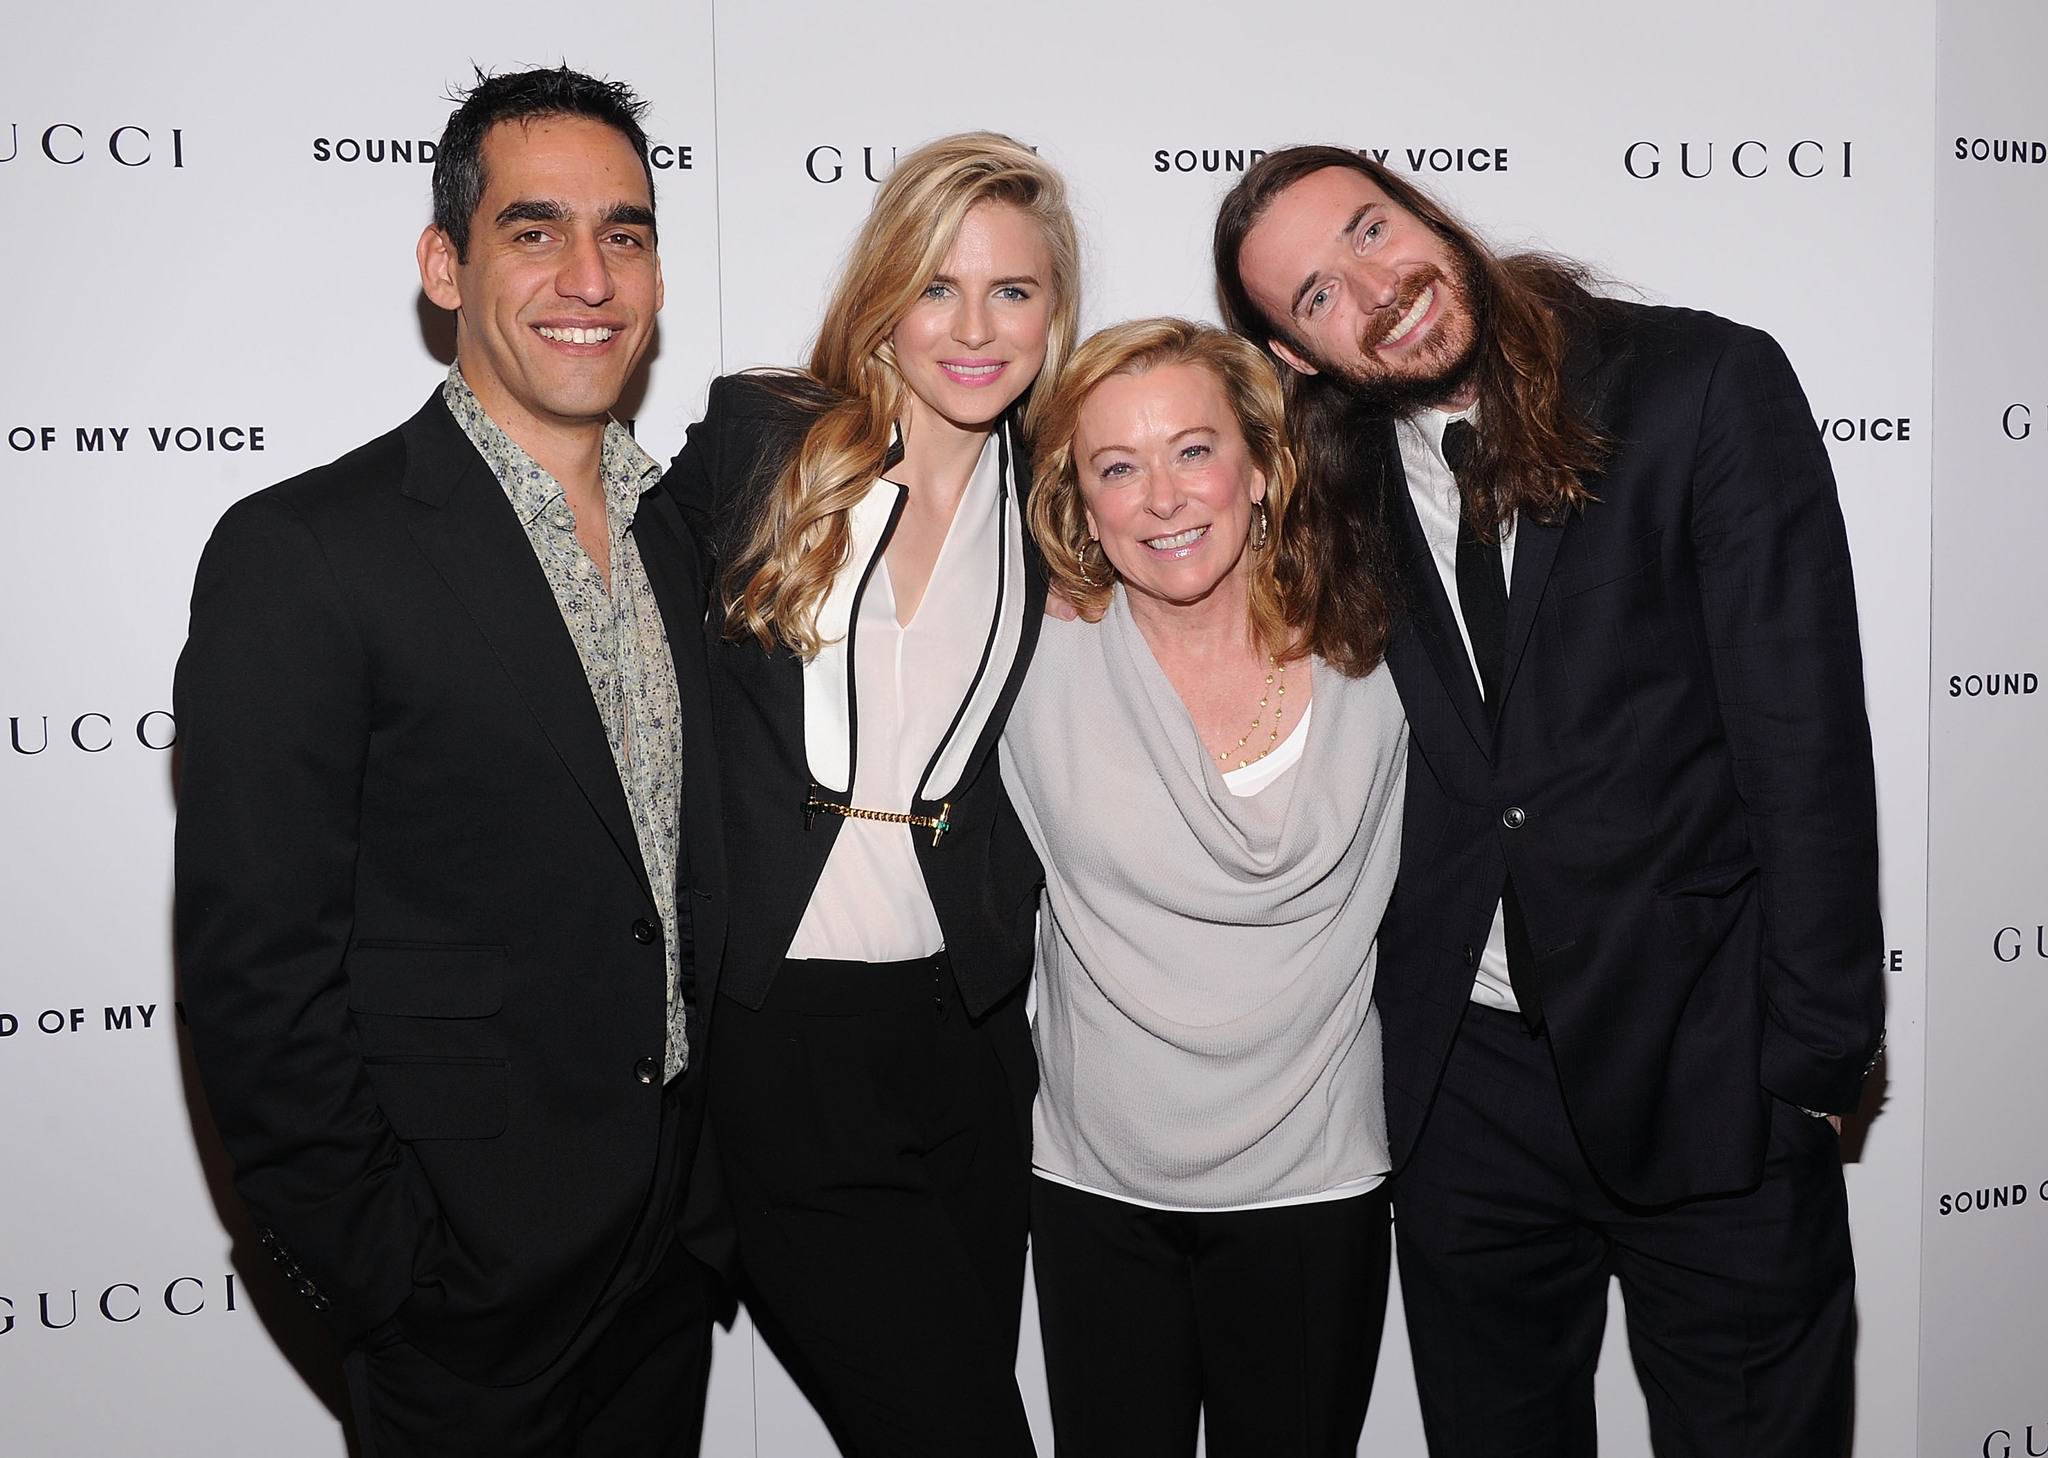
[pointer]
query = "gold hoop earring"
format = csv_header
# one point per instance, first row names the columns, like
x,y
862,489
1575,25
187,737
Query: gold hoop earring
x,y
1264,528
1081,561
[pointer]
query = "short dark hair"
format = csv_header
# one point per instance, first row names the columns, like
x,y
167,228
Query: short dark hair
x,y
459,180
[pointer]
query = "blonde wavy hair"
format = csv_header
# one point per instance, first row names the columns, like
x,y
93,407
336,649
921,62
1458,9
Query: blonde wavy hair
x,y
775,584
1058,513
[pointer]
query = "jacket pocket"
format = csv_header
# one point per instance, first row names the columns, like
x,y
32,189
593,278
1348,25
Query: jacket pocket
x,y
426,979
1719,879
441,1098
1627,562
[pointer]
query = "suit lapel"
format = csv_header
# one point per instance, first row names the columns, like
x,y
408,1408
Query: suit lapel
x,y
474,540
1021,552
1430,607
946,769
1536,543
1536,546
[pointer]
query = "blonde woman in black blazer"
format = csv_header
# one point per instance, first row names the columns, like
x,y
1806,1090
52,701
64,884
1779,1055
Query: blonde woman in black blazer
x,y
876,599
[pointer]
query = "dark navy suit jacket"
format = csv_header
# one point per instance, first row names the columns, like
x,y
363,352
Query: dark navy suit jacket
x,y
419,951
1679,777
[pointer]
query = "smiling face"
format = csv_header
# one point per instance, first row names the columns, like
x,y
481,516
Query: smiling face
x,y
1364,289
976,337
556,302
1168,483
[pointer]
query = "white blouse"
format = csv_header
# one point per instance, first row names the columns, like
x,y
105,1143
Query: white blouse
x,y
909,682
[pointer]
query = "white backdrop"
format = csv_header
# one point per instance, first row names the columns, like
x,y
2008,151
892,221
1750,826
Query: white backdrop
x,y
1984,1364
211,228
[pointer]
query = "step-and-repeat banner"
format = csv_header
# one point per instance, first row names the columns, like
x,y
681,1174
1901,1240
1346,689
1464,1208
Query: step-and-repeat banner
x,y
1984,1211
210,214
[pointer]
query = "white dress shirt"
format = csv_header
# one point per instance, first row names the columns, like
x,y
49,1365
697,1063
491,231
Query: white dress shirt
x,y
1434,488
870,904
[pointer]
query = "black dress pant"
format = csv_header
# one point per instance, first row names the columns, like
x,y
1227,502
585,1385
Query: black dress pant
x,y
873,1148
1741,1308
1263,1324
631,1383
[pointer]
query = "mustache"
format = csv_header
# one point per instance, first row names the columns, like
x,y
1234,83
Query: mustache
x,y
1383,321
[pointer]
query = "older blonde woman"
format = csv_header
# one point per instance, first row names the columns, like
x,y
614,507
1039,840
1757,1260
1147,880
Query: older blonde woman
x,y
877,603
1216,796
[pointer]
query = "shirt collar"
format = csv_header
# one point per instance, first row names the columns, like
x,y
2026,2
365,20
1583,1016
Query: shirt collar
x,y
626,470
1429,423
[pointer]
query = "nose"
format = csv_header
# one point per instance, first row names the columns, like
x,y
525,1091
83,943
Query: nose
x,y
584,274
1163,495
973,325
1376,284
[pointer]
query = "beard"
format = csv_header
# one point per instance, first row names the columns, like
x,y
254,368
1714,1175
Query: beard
x,y
1447,360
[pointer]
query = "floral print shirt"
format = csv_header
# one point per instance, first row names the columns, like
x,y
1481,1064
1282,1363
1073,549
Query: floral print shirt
x,y
620,639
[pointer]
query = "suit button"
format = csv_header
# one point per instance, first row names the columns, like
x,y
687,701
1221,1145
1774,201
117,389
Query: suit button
x,y
1471,958
644,1070
1514,817
645,932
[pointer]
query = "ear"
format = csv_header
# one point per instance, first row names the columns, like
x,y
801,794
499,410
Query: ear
x,y
1295,362
660,288
437,268
1258,484
1089,517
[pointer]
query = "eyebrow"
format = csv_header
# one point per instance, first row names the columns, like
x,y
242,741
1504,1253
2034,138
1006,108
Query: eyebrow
x,y
532,210
547,210
631,214
1309,283
1022,278
1132,450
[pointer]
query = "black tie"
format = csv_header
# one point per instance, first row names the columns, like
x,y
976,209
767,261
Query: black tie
x,y
1483,600
1482,588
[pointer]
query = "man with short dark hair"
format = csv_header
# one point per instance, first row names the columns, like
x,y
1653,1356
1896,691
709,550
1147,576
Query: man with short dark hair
x,y
450,890
1630,976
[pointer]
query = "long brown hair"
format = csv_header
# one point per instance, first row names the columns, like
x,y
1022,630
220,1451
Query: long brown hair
x,y
1529,456
1536,441
798,544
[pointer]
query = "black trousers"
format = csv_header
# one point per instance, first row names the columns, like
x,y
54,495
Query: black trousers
x,y
631,1384
1741,1308
872,1143
1265,1324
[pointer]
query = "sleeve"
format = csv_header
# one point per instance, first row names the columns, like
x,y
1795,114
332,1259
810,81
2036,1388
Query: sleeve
x,y
273,708
693,480
1772,556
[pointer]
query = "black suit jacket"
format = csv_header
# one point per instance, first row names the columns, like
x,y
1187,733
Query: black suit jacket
x,y
1679,780
413,923
983,876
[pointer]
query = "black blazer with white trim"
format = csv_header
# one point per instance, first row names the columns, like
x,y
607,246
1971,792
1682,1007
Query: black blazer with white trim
x,y
982,874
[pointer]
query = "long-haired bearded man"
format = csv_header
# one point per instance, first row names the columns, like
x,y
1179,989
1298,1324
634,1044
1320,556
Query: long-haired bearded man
x,y
1630,975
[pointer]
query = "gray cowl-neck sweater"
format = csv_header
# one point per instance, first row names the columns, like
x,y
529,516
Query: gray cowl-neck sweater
x,y
1205,1028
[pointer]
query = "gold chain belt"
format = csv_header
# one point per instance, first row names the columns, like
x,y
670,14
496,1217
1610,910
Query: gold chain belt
x,y
937,824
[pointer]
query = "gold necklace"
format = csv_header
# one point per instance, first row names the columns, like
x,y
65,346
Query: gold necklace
x,y
1276,688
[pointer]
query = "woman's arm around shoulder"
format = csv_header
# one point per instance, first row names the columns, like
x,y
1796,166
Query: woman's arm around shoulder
x,y
742,414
